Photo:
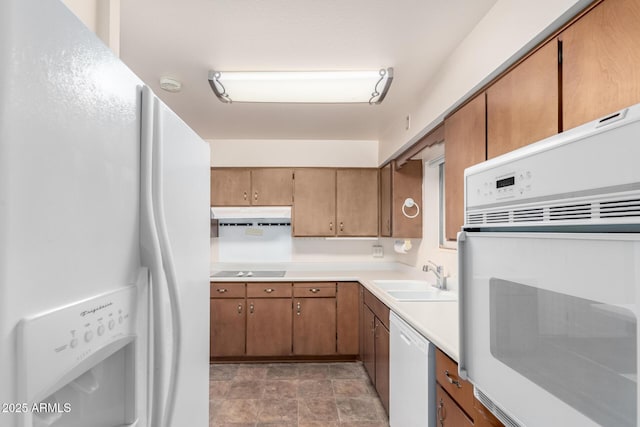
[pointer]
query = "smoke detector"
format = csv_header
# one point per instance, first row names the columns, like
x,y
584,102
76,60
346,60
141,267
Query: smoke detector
x,y
170,84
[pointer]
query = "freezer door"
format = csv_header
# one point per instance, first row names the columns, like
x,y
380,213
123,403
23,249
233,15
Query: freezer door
x,y
552,319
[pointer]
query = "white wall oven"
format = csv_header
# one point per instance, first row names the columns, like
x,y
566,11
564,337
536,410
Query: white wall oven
x,y
550,275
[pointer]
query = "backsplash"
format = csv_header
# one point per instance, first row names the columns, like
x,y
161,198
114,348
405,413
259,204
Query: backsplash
x,y
259,240
238,244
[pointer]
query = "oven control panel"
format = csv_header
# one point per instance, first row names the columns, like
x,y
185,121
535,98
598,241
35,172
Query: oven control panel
x,y
503,187
52,344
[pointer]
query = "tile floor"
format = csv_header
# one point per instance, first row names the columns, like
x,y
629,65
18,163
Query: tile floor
x,y
293,394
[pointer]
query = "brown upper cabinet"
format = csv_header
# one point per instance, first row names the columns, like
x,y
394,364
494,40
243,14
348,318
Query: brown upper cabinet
x,y
465,145
522,107
314,212
406,182
385,200
601,62
330,202
396,185
255,186
357,202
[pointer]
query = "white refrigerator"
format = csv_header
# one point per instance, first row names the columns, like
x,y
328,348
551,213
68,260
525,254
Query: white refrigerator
x,y
104,247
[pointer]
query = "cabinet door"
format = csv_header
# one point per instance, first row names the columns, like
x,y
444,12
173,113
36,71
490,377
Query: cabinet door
x,y
269,327
314,326
271,187
314,211
382,363
357,202
348,319
407,183
522,107
227,327
385,201
230,187
601,62
369,343
464,135
448,414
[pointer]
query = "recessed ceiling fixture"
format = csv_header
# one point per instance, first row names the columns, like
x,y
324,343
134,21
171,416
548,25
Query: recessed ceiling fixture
x,y
170,84
307,87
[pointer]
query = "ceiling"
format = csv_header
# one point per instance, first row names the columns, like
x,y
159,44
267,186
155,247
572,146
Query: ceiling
x,y
185,39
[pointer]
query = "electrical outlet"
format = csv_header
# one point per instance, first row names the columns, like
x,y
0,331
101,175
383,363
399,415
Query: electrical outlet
x,y
377,251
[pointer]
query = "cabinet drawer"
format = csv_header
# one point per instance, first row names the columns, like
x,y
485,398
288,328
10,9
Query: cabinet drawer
x,y
447,376
227,290
448,413
268,290
378,307
314,289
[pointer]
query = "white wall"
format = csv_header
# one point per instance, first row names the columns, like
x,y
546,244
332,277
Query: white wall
x,y
510,29
318,249
100,16
301,153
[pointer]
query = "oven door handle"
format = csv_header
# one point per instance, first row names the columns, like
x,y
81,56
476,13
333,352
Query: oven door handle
x,y
462,330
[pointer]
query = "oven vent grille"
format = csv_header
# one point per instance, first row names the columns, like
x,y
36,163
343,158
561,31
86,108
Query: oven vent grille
x,y
570,212
495,410
497,217
475,219
600,209
528,215
620,209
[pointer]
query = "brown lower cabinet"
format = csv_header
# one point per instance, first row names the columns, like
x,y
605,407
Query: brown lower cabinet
x,y
375,349
227,320
228,329
455,404
288,320
448,413
314,320
268,326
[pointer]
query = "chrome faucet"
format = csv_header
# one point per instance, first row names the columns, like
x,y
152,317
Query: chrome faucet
x,y
438,271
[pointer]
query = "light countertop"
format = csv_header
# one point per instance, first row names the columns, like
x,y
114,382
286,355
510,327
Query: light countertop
x,y
435,320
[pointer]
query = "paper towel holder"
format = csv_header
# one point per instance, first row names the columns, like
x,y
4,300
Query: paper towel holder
x,y
410,203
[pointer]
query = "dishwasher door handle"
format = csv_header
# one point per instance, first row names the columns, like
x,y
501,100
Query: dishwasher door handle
x,y
405,339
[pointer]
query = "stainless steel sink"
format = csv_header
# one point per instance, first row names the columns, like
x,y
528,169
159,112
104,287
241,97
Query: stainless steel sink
x,y
414,290
403,285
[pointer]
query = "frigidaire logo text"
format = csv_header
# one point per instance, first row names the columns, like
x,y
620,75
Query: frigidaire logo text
x,y
93,310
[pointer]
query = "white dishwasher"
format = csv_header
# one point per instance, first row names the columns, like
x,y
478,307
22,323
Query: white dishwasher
x,y
411,377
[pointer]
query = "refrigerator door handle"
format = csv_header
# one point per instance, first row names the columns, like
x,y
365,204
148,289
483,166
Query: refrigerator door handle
x,y
152,258
168,263
462,363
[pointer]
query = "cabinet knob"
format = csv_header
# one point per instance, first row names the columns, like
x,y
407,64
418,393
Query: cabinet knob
x,y
239,308
298,308
244,195
314,290
269,290
251,308
221,290
255,196
388,225
341,226
330,226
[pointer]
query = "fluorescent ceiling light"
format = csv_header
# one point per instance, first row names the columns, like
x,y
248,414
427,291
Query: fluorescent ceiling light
x,y
323,87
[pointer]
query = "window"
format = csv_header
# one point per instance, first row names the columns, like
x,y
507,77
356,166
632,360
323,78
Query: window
x,y
439,162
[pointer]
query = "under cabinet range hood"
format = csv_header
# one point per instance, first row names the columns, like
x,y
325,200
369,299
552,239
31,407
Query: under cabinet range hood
x,y
251,212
